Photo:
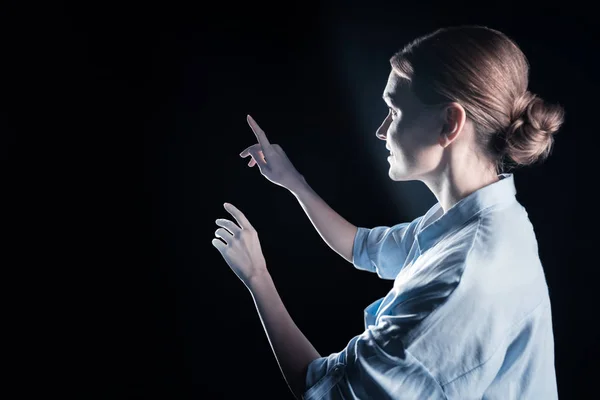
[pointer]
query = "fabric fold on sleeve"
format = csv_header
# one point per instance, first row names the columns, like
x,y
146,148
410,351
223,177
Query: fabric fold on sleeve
x,y
377,363
374,365
383,250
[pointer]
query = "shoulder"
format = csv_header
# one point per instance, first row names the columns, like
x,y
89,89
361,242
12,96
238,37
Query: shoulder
x,y
502,268
505,242
505,224
492,264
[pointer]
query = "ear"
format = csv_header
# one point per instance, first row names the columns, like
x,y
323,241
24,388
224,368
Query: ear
x,y
453,117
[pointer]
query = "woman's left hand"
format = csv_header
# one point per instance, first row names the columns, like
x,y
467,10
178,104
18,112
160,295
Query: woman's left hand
x,y
241,249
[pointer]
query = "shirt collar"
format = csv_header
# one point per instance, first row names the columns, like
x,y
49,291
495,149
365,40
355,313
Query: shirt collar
x,y
498,192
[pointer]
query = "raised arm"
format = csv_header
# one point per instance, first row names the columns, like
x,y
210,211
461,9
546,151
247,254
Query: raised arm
x,y
276,167
336,231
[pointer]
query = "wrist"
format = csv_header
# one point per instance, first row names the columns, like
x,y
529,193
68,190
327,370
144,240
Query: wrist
x,y
299,186
258,280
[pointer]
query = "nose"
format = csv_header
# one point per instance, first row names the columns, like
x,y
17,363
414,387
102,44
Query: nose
x,y
382,130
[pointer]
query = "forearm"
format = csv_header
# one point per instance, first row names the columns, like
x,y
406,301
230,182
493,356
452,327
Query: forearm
x,y
291,348
336,231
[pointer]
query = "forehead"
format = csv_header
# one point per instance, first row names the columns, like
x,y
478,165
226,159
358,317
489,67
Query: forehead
x,y
397,89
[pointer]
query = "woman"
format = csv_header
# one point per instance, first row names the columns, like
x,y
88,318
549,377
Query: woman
x,y
469,313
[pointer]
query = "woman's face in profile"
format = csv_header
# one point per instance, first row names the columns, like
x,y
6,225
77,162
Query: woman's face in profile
x,y
411,131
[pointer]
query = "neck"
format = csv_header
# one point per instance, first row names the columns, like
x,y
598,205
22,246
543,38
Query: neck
x,y
460,173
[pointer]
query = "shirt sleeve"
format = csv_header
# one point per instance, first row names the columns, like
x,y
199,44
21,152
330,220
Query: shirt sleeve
x,y
377,364
374,365
383,250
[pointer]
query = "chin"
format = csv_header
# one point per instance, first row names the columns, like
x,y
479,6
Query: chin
x,y
398,176
401,178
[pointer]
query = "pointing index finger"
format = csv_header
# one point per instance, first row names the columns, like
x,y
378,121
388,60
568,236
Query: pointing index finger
x,y
260,134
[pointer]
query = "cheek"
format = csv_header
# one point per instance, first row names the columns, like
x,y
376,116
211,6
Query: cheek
x,y
403,136
418,132
397,130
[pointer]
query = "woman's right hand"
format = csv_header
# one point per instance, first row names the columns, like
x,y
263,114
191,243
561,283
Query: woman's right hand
x,y
271,160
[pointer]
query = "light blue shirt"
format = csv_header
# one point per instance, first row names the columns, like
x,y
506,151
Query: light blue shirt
x,y
468,316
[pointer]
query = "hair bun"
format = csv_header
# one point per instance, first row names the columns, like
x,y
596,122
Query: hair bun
x,y
529,137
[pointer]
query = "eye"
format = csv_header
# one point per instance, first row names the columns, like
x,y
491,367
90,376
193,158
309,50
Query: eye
x,y
393,112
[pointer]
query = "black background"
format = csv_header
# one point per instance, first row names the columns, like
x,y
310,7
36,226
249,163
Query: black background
x,y
123,126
